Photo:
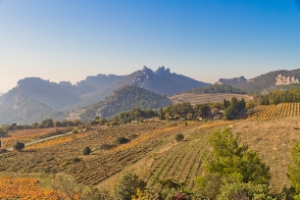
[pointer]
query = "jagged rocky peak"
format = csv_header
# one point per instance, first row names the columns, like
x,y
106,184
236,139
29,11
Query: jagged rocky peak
x,y
147,71
161,71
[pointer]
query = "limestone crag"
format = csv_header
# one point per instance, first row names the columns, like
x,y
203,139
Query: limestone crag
x,y
285,80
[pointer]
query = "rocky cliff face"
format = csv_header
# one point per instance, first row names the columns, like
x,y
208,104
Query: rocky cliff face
x,y
285,80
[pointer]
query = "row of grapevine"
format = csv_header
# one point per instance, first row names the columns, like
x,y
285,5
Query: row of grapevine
x,y
273,112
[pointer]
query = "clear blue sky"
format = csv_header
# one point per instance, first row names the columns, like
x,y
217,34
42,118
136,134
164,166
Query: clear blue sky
x,y
204,39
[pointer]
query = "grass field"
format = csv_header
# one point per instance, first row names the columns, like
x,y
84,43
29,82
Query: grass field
x,y
206,98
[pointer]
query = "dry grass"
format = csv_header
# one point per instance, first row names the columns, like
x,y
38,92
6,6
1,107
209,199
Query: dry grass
x,y
273,140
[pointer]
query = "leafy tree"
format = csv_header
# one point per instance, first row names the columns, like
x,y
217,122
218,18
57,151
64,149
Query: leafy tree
x,y
228,163
245,191
235,162
19,146
179,137
202,110
128,186
86,151
293,170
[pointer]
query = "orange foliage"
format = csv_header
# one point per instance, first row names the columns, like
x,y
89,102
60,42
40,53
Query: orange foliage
x,y
58,140
26,188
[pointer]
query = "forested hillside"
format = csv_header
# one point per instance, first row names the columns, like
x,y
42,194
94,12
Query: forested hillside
x,y
264,81
125,99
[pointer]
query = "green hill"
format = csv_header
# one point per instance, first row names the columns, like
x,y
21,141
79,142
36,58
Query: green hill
x,y
124,99
212,89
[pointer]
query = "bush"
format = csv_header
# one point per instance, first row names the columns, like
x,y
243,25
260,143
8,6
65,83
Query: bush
x,y
86,151
179,137
19,146
121,140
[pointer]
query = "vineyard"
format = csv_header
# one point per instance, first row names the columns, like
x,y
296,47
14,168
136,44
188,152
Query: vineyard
x,y
152,149
206,98
182,163
28,135
66,156
273,112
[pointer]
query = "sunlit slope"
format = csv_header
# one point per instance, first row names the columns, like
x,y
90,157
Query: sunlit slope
x,y
206,98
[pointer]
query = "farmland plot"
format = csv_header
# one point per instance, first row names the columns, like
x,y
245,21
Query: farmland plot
x,y
206,98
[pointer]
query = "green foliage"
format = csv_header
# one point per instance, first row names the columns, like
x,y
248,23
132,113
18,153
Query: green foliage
x,y
233,108
128,186
19,146
208,186
279,96
228,163
86,151
179,137
245,191
121,140
293,169
180,109
98,120
216,89
234,162
202,110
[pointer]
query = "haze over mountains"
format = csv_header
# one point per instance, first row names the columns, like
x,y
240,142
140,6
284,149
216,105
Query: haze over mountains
x,y
34,99
51,97
264,81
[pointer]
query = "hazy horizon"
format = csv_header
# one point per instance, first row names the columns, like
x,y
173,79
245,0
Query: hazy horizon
x,y
205,40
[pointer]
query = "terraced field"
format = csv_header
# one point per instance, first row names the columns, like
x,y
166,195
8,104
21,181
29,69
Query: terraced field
x,y
206,98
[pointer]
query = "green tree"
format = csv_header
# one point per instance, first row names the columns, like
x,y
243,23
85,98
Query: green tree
x,y
19,146
293,170
179,137
202,110
86,151
235,162
227,163
128,186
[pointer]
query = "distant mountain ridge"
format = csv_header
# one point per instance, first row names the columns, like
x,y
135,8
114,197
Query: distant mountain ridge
x,y
264,81
64,96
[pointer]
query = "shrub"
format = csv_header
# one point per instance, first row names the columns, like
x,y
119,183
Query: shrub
x,y
86,151
179,137
121,140
128,186
19,146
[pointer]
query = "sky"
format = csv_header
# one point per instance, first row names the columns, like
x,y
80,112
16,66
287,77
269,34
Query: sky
x,y
67,40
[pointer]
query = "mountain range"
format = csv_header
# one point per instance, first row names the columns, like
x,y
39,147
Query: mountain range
x,y
34,99
274,79
56,99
